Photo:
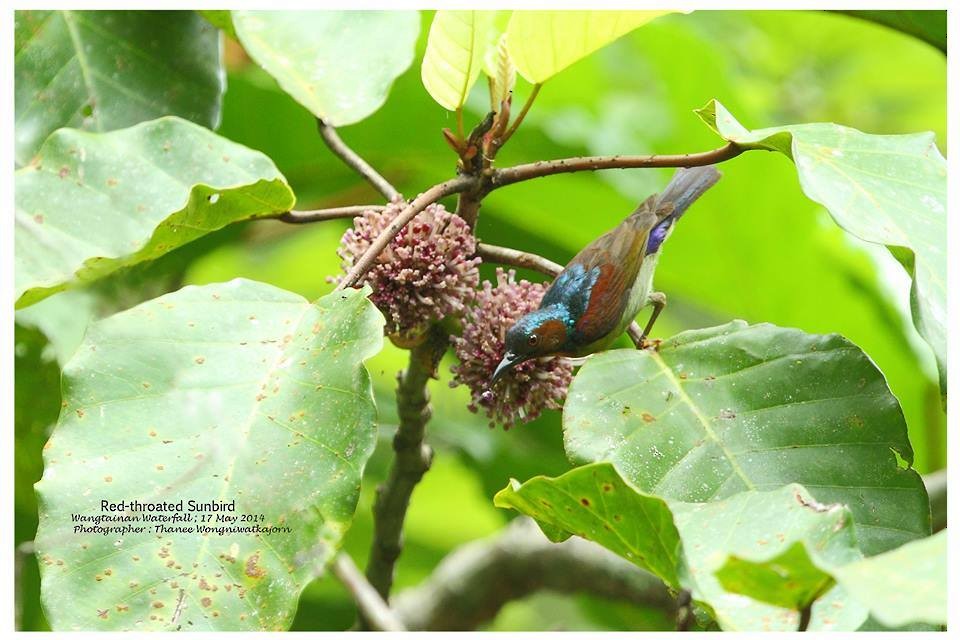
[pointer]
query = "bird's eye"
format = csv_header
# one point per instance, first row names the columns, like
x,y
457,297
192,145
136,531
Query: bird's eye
x,y
533,340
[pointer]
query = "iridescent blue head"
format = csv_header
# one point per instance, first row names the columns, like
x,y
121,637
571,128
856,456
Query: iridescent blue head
x,y
539,333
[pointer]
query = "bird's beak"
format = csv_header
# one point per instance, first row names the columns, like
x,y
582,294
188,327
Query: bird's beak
x,y
509,359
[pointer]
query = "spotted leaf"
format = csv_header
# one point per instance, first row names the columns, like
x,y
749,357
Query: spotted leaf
x,y
714,412
237,394
89,204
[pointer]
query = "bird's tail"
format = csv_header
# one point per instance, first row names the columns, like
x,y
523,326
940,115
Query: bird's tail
x,y
686,186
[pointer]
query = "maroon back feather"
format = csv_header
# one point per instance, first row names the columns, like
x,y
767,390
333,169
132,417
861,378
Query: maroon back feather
x,y
618,254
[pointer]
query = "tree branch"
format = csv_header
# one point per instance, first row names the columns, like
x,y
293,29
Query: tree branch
x,y
372,607
354,161
412,460
475,187
421,202
475,159
471,584
502,177
468,207
516,258
321,215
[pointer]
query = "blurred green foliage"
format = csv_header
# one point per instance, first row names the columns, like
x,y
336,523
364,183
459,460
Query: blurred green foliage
x,y
754,248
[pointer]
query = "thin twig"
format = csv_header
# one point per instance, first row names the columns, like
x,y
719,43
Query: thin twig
x,y
421,202
805,615
472,584
521,115
413,457
333,213
375,611
354,161
525,260
517,258
519,173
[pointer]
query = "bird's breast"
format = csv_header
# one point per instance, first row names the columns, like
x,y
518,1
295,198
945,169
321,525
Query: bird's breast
x,y
641,289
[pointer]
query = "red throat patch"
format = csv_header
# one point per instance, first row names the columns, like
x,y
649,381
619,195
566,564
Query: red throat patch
x,y
552,334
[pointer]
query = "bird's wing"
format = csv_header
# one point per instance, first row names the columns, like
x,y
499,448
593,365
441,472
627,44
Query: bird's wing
x,y
571,288
616,258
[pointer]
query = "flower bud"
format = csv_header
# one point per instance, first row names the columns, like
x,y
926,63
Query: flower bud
x,y
426,273
524,391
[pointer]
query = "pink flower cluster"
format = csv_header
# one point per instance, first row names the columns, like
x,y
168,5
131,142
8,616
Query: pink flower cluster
x,y
426,273
531,386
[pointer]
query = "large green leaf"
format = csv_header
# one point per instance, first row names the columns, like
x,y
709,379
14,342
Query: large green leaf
x,y
740,407
595,503
456,47
236,391
338,64
89,203
104,70
889,190
900,587
544,43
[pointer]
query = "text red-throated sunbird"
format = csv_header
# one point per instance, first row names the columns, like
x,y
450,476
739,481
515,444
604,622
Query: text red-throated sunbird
x,y
600,292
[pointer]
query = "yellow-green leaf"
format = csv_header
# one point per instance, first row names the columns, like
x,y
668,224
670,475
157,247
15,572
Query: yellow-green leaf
x,y
454,57
498,31
543,43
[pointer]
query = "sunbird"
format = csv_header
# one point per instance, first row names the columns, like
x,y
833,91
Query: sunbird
x,y
599,293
